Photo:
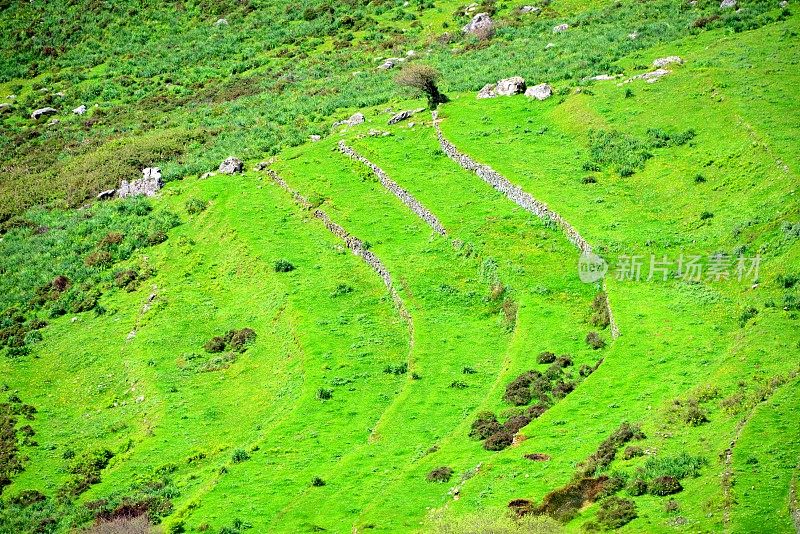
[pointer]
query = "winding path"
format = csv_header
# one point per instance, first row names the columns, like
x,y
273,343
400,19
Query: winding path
x,y
522,199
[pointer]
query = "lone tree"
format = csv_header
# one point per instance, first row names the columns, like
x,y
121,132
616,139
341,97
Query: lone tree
x,y
423,78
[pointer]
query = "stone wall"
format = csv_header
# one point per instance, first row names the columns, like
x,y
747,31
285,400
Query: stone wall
x,y
519,197
355,245
404,196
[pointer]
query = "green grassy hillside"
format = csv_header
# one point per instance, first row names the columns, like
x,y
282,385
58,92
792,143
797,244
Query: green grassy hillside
x,y
223,358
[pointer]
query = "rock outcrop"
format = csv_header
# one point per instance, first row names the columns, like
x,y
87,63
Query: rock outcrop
x,y
354,120
403,115
80,110
148,185
727,4
510,86
231,166
664,61
539,92
560,28
479,25
42,112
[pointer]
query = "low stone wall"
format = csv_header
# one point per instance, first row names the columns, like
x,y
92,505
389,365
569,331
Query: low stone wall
x,y
355,245
519,197
404,196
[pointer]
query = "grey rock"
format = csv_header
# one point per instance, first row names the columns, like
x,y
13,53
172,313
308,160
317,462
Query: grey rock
x,y
529,9
510,86
560,28
727,4
108,194
354,120
5,107
390,63
488,91
314,138
633,36
602,77
664,61
539,92
207,175
231,166
42,112
403,115
481,22
80,110
548,46
221,22
148,185
783,3
650,77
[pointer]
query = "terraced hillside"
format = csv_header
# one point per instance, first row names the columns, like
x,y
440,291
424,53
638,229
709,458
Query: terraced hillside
x,y
391,326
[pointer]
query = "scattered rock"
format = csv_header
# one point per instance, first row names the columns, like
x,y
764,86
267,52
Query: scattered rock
x,y
131,335
727,4
470,8
5,107
633,36
140,398
314,138
221,22
207,175
529,9
148,185
354,120
650,77
664,61
231,166
390,63
539,92
560,28
488,91
784,3
480,24
53,122
42,112
603,77
510,86
60,94
378,133
80,110
537,457
11,97
403,115
549,46
411,53
108,194
261,165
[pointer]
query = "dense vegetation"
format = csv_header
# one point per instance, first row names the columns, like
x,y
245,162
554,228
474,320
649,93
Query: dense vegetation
x,y
215,359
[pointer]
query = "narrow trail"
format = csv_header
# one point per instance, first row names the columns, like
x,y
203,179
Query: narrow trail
x,y
404,196
522,199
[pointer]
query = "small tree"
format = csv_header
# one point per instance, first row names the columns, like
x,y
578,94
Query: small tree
x,y
422,78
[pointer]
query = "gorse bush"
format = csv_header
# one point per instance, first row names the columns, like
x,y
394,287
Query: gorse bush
x,y
616,512
440,474
283,266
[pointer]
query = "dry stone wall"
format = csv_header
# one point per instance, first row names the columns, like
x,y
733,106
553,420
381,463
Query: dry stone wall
x,y
519,197
404,196
355,245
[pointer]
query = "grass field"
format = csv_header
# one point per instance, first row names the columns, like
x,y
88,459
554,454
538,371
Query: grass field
x,y
340,410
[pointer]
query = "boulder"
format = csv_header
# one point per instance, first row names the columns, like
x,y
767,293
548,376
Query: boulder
x,y
727,4
480,23
529,9
314,138
560,28
650,77
5,107
602,77
783,3
633,36
390,63
510,86
664,61
548,46
80,110
401,116
221,22
261,165
539,92
41,112
488,91
354,120
148,185
231,166
207,175
108,194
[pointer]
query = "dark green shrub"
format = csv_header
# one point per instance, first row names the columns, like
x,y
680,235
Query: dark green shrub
x,y
695,415
632,452
499,440
485,425
468,371
239,340
665,485
341,289
283,266
747,314
546,357
396,370
594,340
215,344
98,258
324,394
458,384
588,180
239,456
195,206
637,487
600,317
616,512
706,215
440,474
699,179
565,360
126,279
317,482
